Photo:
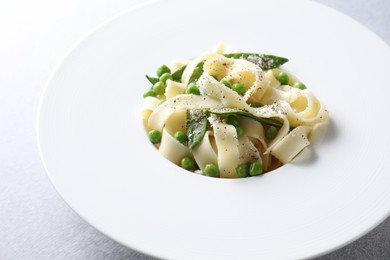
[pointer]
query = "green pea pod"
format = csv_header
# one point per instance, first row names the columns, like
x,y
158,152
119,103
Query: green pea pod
x,y
176,76
198,71
264,61
196,127
235,111
152,79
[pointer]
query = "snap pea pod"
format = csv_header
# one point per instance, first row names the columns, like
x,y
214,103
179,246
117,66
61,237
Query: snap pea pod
x,y
152,79
176,76
235,111
198,71
196,127
264,61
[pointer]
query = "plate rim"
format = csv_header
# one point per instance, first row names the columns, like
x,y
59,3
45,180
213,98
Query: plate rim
x,y
95,30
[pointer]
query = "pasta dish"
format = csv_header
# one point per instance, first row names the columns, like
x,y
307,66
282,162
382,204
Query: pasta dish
x,y
230,114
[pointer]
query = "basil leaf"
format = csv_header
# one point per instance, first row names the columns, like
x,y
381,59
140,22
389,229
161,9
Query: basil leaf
x,y
196,127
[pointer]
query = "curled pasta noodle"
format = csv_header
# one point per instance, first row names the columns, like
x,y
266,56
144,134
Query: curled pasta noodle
x,y
171,149
247,151
205,153
149,104
291,144
305,109
174,88
253,129
192,65
228,114
228,153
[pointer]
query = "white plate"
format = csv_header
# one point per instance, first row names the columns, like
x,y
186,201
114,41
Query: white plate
x,y
96,152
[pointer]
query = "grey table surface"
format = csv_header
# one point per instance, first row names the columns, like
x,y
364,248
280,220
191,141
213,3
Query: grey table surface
x,y
35,222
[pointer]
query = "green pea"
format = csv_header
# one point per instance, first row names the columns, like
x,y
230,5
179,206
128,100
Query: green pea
x,y
187,163
226,83
231,120
283,78
299,85
159,88
181,136
239,88
255,169
211,170
150,93
164,77
163,69
193,89
242,170
240,132
271,132
161,101
154,136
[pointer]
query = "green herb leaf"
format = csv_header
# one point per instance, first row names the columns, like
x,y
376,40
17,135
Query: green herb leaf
x,y
152,79
264,61
196,127
176,76
235,111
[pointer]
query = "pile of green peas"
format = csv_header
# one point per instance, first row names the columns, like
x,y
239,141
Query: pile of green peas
x,y
155,136
284,79
158,88
237,87
189,164
249,169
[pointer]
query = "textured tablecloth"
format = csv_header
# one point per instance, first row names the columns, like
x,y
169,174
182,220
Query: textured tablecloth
x,y
35,223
